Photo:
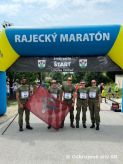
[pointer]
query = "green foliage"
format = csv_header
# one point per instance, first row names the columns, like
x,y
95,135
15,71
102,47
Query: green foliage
x,y
57,76
31,77
104,77
77,77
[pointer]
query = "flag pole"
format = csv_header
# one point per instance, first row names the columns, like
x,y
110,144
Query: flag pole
x,y
9,124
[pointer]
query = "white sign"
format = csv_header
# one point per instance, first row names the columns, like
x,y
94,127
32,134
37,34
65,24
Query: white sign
x,y
67,96
54,95
83,95
24,94
92,94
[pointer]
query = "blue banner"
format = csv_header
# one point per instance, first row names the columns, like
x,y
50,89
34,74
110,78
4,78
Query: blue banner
x,y
76,41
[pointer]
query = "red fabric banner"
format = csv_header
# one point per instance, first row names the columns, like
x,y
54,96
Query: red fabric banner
x,y
47,108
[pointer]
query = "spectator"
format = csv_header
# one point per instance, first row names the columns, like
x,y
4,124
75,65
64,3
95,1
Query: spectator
x,y
103,93
116,89
109,91
101,87
14,87
8,89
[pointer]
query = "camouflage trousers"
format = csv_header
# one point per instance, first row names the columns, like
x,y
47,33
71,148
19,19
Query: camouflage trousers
x,y
27,116
81,105
94,107
70,104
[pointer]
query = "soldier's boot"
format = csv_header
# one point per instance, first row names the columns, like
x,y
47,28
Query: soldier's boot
x,y
97,127
62,124
20,128
92,126
84,125
77,124
49,127
72,125
29,127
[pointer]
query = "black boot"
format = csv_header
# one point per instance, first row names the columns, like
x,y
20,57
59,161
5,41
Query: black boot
x,y
92,126
84,125
29,127
20,128
97,127
77,125
72,125
62,124
49,127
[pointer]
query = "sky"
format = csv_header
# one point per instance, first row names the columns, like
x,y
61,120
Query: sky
x,y
50,13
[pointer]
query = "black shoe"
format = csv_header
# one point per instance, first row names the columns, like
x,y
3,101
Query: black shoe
x,y
84,126
29,127
72,125
97,127
62,125
49,127
92,126
21,129
77,125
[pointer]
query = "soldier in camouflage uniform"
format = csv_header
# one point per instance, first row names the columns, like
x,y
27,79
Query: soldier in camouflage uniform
x,y
56,93
94,104
22,95
68,96
82,102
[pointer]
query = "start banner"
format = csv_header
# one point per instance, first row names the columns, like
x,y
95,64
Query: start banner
x,y
64,64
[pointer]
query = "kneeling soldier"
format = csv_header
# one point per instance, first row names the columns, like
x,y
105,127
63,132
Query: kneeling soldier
x,y
82,102
94,104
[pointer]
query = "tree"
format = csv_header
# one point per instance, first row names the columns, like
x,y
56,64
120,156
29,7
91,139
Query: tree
x,y
58,77
78,76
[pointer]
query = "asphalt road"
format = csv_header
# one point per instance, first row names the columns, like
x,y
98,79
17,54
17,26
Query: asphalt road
x,y
66,146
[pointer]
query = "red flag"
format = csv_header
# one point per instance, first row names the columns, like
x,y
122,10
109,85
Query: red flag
x,y
47,108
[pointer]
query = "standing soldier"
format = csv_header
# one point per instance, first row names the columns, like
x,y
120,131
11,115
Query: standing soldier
x,y
56,93
94,104
22,95
82,102
68,96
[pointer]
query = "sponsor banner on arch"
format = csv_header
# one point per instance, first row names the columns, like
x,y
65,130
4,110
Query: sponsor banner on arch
x,y
65,64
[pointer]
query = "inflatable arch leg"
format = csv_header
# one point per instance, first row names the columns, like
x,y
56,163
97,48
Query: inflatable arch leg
x,y
3,98
122,99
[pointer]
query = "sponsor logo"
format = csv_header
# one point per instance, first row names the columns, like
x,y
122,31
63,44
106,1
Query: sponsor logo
x,y
41,64
83,63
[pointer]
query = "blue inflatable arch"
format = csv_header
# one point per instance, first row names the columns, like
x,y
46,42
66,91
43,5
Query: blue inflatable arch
x,y
67,41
